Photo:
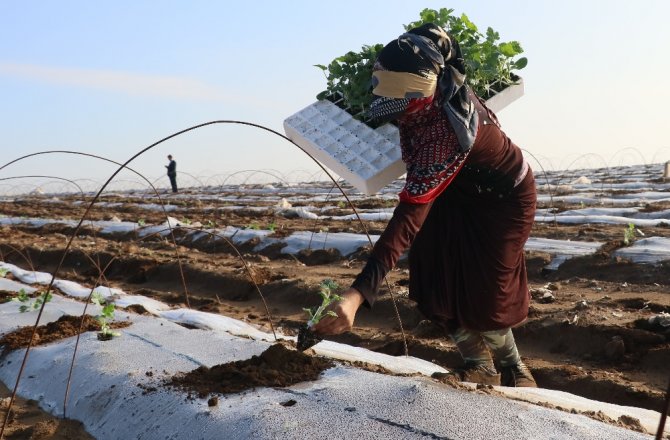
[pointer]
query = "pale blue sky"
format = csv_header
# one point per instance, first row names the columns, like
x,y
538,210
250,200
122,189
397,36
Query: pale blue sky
x,y
112,77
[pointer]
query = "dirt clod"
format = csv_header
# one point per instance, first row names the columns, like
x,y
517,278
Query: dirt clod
x,y
277,366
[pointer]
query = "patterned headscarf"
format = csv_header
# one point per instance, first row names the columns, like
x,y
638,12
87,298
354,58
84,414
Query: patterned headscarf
x,y
428,50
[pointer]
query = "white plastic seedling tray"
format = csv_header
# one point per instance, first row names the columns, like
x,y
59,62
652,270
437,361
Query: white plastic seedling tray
x,y
367,158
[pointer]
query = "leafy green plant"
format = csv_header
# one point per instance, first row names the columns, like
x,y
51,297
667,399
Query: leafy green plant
x,y
141,223
272,226
23,298
106,315
328,296
253,226
490,64
349,77
26,303
629,234
3,272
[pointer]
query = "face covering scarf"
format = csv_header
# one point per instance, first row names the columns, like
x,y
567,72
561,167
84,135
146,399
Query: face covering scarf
x,y
426,51
431,151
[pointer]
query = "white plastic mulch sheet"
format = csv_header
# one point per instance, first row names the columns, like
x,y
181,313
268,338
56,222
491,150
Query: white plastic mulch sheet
x,y
561,250
647,250
345,243
111,393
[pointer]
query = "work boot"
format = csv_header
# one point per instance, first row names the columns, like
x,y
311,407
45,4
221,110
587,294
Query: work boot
x,y
475,373
482,374
517,375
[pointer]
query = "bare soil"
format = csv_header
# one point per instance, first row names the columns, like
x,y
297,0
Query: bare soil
x,y
278,366
28,422
65,327
592,340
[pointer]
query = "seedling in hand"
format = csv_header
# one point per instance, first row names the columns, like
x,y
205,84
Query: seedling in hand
x,y
306,337
106,315
328,296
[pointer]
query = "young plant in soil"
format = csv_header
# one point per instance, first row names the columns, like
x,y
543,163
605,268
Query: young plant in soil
x,y
629,234
105,316
490,64
3,272
27,305
306,337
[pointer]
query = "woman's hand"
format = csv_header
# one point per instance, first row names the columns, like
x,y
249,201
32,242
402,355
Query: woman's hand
x,y
346,311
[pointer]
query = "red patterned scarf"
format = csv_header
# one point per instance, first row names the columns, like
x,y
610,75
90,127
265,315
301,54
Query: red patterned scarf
x,y
431,151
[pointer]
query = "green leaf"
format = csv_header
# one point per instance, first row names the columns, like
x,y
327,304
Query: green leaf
x,y
23,309
521,63
491,35
321,66
428,15
97,299
22,297
108,310
468,24
331,313
507,49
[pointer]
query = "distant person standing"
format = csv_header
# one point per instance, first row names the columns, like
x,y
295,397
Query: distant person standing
x,y
172,173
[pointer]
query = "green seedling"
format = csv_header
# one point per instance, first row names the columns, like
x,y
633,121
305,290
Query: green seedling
x,y
209,224
3,272
141,223
272,226
254,226
105,316
27,305
328,296
629,234
186,222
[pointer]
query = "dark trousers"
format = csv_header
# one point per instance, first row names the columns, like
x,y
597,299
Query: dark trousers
x,y
173,182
